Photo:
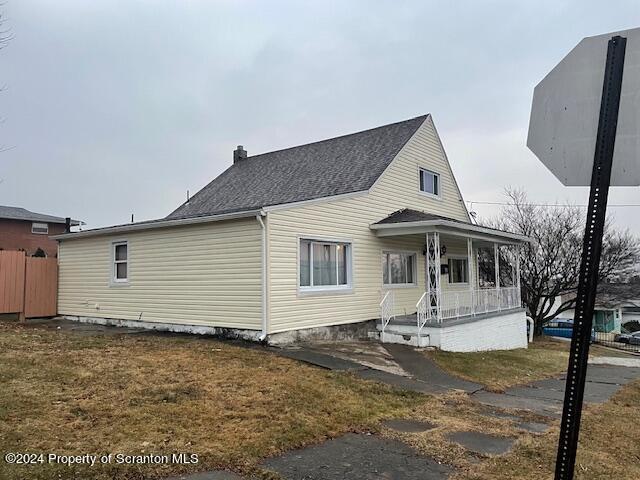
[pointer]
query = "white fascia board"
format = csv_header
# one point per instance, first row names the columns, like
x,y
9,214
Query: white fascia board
x,y
447,226
134,227
312,201
455,181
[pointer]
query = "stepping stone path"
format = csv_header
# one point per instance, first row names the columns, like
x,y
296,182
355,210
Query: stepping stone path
x,y
482,443
407,426
357,457
534,427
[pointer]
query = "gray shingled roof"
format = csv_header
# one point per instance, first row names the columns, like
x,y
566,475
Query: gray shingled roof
x,y
18,213
408,215
351,163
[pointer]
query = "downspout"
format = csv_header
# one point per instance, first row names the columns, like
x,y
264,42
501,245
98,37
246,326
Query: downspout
x,y
263,335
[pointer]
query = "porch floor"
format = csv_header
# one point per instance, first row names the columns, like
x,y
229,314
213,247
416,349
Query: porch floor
x,y
411,320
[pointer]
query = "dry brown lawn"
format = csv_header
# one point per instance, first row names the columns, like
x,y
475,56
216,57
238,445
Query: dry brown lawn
x,y
67,393
501,369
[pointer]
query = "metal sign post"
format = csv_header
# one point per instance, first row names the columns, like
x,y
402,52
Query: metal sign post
x,y
591,249
584,110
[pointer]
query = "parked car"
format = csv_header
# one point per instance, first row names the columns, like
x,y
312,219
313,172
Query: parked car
x,y
630,338
562,327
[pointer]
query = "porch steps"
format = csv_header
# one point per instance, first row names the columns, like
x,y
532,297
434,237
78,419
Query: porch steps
x,y
403,334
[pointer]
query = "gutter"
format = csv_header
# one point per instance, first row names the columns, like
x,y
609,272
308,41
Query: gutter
x,y
264,334
451,224
133,227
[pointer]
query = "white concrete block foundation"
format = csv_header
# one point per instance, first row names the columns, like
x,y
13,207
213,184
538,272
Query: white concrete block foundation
x,y
498,332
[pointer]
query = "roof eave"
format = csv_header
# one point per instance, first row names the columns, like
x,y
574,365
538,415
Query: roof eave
x,y
447,226
135,227
57,221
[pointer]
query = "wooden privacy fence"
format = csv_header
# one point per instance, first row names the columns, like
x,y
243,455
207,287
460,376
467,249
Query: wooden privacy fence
x,y
28,285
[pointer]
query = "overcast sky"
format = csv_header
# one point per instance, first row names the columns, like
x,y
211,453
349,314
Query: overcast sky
x,y
118,107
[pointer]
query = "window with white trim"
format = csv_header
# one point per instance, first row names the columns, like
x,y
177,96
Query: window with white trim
x,y
458,270
398,268
429,182
40,228
324,265
120,262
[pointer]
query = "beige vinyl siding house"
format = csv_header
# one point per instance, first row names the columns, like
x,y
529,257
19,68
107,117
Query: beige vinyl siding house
x,y
361,235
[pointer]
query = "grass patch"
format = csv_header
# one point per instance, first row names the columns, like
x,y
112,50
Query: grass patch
x,y
608,448
72,394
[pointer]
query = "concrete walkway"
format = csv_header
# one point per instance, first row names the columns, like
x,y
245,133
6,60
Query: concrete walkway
x,y
357,457
422,382
627,361
425,370
420,374
544,397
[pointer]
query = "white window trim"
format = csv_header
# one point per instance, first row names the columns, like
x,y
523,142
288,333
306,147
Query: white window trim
x,y
415,270
427,194
117,282
457,257
42,225
324,289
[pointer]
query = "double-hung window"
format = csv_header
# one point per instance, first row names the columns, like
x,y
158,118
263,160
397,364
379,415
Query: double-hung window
x,y
324,265
429,182
398,268
458,270
120,262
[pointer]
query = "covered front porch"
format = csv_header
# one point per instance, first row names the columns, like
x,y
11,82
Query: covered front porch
x,y
471,300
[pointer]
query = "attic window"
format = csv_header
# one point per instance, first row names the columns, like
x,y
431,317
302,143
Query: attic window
x,y
429,182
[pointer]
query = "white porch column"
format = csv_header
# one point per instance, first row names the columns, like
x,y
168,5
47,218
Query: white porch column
x,y
496,255
518,291
427,265
470,275
432,261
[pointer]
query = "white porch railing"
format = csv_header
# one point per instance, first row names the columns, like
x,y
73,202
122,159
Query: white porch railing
x,y
386,309
455,304
422,313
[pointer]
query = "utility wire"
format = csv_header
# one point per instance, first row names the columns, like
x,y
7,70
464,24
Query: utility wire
x,y
562,205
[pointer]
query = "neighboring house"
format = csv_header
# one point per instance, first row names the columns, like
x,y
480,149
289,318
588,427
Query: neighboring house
x,y
616,304
21,229
320,240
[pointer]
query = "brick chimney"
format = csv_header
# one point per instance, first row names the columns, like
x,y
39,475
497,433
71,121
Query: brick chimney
x,y
239,154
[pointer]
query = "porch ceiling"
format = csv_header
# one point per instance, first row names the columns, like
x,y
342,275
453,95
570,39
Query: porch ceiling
x,y
411,222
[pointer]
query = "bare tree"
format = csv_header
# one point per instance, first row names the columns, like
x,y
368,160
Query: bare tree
x,y
550,264
5,36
